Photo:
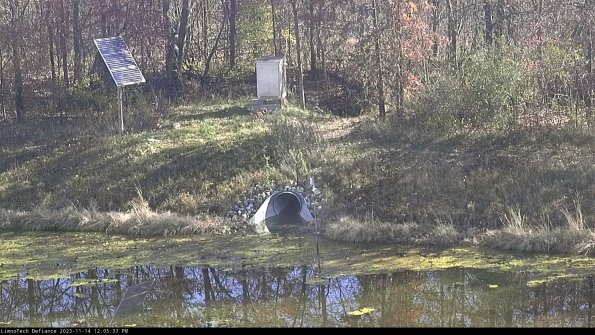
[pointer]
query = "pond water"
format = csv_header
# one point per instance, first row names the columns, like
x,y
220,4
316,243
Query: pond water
x,y
200,296
287,280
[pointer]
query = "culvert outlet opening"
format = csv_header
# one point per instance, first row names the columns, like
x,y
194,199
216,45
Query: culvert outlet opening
x,y
281,209
287,204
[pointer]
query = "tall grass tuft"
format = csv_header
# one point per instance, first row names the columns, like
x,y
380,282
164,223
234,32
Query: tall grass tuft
x,y
372,230
514,222
587,245
575,219
443,233
139,220
517,235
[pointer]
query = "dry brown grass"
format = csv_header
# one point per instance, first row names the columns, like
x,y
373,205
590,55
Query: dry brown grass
x,y
575,219
518,235
515,235
542,240
140,220
443,233
587,245
372,230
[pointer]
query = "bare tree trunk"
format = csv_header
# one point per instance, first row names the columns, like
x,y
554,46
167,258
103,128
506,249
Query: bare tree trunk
x,y
288,43
183,31
401,61
377,54
116,19
590,78
500,23
233,12
302,96
311,30
64,57
205,27
104,29
489,23
15,22
590,70
63,47
2,106
321,47
435,22
174,44
452,33
52,55
209,56
169,45
274,22
77,40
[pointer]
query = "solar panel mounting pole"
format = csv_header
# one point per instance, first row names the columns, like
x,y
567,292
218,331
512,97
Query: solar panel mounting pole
x,y
121,109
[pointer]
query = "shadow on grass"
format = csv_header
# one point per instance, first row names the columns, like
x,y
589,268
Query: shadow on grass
x,y
103,174
205,170
24,143
405,174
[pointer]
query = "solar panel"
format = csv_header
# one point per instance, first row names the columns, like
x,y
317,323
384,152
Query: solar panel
x,y
119,61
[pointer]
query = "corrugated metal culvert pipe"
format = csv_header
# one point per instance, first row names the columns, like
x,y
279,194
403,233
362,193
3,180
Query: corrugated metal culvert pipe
x,y
285,207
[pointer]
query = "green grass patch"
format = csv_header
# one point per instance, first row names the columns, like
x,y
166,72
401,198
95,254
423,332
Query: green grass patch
x,y
186,165
403,180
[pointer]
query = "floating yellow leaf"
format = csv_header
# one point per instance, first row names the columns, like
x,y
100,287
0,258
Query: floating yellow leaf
x,y
361,311
493,286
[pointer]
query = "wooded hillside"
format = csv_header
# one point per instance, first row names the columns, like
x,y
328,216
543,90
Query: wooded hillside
x,y
465,60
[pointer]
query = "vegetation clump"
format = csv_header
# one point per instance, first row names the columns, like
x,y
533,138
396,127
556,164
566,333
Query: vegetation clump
x,y
421,125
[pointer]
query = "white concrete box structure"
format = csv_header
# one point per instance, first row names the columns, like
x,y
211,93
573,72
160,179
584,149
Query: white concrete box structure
x,y
270,78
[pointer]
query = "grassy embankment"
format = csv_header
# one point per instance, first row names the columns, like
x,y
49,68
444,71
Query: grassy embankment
x,y
527,189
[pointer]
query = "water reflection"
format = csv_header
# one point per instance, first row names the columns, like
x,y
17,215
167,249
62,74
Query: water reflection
x,y
284,297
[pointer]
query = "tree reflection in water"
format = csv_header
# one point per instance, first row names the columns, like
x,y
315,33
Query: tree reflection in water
x,y
282,297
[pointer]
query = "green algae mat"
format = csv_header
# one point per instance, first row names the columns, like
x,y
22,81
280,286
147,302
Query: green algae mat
x,y
43,255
